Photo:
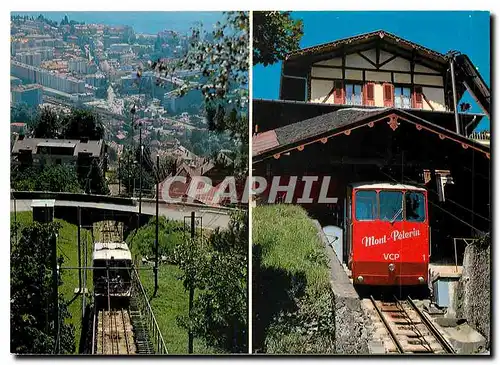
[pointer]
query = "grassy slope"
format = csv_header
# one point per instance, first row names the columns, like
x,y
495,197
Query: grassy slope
x,y
288,254
68,247
170,302
288,240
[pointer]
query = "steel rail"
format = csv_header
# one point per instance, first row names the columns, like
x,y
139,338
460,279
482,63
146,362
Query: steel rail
x,y
432,328
415,329
109,311
125,332
95,329
388,327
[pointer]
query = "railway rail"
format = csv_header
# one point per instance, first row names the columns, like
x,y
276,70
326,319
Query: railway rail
x,y
409,329
114,332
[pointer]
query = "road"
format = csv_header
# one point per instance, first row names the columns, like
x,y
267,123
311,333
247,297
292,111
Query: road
x,y
212,218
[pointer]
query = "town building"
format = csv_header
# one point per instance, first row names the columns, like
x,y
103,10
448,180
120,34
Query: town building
x,y
53,80
27,151
30,58
82,66
32,95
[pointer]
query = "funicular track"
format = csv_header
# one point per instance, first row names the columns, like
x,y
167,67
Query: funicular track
x,y
114,332
409,329
123,324
126,326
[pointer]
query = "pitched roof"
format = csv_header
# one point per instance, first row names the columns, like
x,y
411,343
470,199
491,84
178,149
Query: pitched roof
x,y
315,126
368,38
328,125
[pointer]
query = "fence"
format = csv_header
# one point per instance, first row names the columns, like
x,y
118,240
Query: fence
x,y
147,313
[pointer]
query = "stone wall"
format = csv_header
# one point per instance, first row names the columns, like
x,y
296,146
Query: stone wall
x,y
352,333
473,295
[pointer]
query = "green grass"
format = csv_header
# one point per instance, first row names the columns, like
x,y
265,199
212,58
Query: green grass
x,y
170,302
67,244
291,292
289,240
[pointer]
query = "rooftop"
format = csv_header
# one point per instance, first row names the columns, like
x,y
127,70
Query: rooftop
x,y
94,147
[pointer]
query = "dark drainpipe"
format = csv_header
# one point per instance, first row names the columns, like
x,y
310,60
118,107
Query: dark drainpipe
x,y
454,88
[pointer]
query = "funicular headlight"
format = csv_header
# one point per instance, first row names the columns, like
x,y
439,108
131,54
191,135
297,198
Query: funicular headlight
x,y
392,267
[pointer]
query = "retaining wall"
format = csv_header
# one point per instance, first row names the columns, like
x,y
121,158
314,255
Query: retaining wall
x,y
473,294
351,324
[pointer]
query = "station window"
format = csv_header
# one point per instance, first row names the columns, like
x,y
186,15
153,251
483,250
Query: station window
x,y
415,206
353,94
391,206
402,97
366,205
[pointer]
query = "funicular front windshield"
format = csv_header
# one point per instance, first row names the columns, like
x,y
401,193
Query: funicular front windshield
x,y
366,205
118,272
415,206
389,206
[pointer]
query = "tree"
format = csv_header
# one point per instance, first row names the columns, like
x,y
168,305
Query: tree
x,y
22,112
83,123
45,177
46,124
130,171
57,178
222,57
275,34
219,270
170,234
92,178
31,316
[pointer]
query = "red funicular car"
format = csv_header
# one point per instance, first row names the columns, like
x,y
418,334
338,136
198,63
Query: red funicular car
x,y
387,234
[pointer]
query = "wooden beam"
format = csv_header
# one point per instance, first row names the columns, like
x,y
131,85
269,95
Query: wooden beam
x,y
367,59
412,70
308,96
377,51
427,101
329,94
369,69
343,65
387,61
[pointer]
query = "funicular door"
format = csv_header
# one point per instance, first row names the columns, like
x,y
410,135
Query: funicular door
x,y
347,226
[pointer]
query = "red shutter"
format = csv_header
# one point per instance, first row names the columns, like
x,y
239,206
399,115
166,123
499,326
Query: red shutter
x,y
388,95
339,92
369,94
418,97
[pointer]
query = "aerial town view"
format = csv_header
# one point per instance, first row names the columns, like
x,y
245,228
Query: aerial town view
x,y
371,233
114,251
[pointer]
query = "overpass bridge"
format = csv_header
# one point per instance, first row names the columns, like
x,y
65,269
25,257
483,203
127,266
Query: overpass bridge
x,y
98,207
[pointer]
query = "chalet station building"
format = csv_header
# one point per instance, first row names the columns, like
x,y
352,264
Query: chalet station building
x,y
378,108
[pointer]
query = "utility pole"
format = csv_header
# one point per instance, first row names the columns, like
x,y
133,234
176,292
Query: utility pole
x,y
140,171
79,251
191,291
55,293
129,174
156,233
119,171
